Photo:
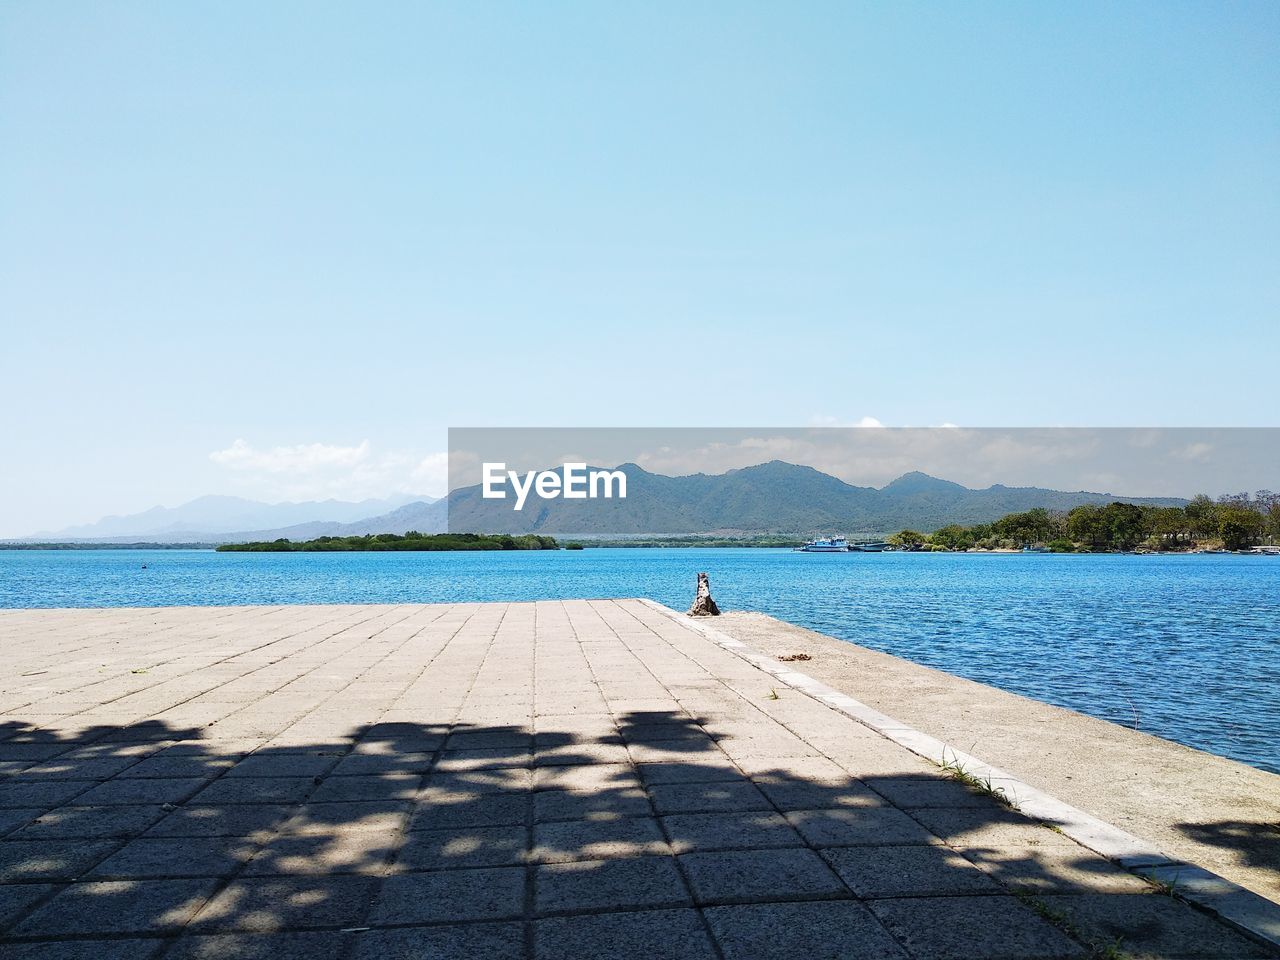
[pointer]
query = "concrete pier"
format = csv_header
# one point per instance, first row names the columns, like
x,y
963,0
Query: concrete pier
x,y
544,780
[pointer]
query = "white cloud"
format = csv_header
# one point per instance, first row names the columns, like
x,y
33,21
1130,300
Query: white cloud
x,y
1193,452
310,471
432,474
822,420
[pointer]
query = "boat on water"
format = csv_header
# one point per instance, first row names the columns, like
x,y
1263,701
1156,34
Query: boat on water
x,y
825,545
877,547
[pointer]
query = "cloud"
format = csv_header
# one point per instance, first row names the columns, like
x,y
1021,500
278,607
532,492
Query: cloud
x,y
310,471
1193,452
822,420
432,474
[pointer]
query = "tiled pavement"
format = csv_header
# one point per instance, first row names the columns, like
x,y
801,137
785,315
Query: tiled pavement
x,y
550,780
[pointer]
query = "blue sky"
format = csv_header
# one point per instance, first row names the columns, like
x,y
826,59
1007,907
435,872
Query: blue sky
x,y
278,249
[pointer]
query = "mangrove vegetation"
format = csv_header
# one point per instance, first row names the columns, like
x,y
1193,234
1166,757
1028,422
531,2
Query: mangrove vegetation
x,y
394,541
1236,522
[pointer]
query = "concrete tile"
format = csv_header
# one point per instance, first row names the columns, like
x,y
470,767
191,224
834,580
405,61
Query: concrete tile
x,y
563,842
1150,924
50,859
912,792
655,773
391,786
178,765
687,751
941,928
326,945
484,759
845,827
233,820
114,949
991,827
81,768
383,816
1054,870
574,754
17,898
233,749
490,740
609,885
638,935
901,871
154,791
451,895
353,851
488,810
463,847
12,750
808,769
760,875
595,778
40,793
272,764
726,795
832,930
91,822
118,906
268,904
730,831
176,857
257,790
369,764
503,780
550,805
791,794
471,941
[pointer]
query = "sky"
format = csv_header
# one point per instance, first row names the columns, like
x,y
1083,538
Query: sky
x,y
277,250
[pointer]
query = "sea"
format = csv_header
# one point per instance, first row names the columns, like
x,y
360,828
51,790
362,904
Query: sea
x,y
1185,647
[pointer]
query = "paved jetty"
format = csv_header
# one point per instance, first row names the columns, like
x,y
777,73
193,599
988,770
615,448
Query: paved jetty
x,y
1193,805
543,780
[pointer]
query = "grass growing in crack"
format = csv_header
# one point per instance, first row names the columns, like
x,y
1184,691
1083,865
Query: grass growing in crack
x,y
1168,888
955,769
1098,950
773,694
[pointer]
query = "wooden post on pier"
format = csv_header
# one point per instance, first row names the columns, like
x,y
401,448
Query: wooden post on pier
x,y
703,605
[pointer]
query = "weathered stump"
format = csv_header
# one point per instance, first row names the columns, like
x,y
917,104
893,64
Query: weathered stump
x,y
703,605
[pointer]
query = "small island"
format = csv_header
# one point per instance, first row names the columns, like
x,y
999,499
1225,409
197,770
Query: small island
x,y
394,541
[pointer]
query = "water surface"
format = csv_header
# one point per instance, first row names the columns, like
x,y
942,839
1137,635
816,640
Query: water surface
x,y
1185,647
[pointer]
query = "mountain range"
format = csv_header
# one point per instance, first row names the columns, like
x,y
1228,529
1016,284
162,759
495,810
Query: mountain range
x,y
775,498
216,518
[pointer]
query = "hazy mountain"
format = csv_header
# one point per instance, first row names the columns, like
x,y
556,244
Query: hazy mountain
x,y
214,517
770,498
775,498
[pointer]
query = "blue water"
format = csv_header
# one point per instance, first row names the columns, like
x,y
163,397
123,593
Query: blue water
x,y
1186,647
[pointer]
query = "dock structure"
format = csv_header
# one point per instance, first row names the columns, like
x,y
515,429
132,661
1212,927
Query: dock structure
x,y
591,779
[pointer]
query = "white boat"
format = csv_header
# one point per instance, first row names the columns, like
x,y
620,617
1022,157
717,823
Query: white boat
x,y
825,545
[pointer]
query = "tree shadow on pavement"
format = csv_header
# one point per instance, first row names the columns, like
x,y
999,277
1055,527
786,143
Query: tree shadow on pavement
x,y
629,836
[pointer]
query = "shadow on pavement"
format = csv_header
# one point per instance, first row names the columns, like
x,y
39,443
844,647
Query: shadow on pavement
x,y
626,837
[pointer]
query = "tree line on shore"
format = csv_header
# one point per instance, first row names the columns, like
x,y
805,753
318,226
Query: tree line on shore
x,y
1234,522
413,540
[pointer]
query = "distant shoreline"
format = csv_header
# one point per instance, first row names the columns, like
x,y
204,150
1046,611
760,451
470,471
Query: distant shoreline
x,y
138,545
299,547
